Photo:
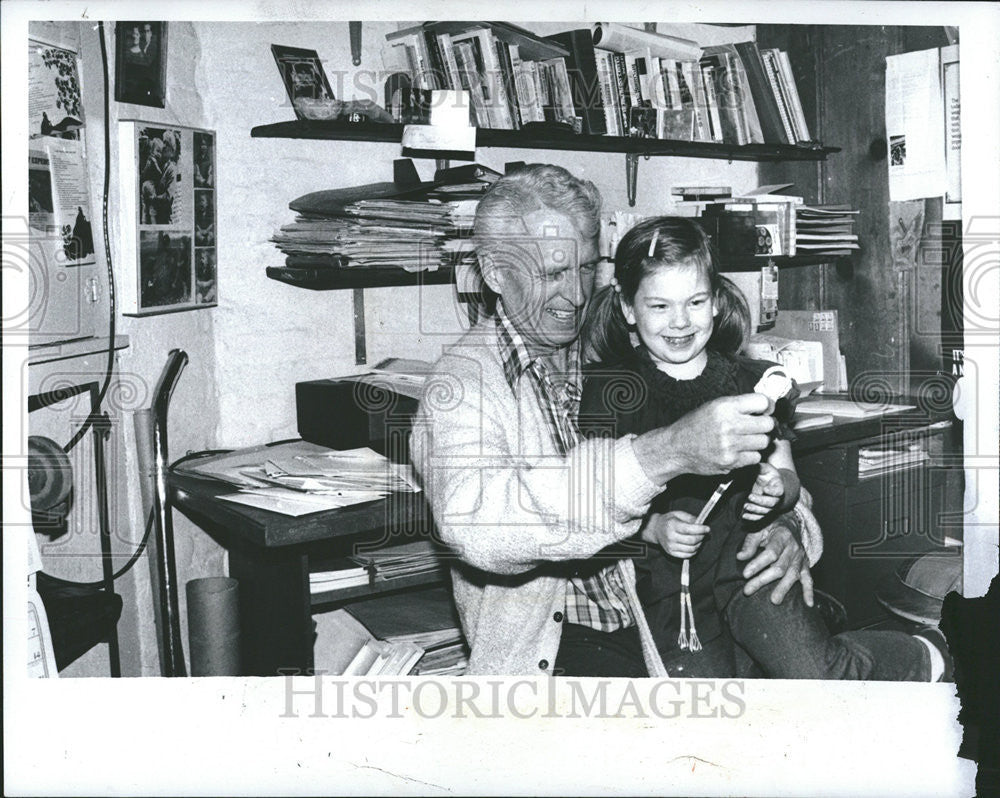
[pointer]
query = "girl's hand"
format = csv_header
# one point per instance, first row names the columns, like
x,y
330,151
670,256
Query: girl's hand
x,y
675,532
765,494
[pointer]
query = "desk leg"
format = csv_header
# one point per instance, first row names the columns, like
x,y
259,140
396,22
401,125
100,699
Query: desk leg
x,y
275,615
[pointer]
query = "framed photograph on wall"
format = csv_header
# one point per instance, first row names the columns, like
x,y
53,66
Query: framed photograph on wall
x,y
303,75
141,63
168,188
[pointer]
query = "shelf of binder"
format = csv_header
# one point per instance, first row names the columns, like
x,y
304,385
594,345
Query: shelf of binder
x,y
528,140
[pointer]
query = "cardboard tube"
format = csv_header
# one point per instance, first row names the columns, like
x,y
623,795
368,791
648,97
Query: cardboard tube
x,y
213,607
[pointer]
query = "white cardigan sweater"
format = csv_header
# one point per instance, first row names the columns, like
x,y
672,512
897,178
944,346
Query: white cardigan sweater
x,y
509,504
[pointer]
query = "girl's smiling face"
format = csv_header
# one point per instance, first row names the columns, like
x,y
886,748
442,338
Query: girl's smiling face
x,y
674,314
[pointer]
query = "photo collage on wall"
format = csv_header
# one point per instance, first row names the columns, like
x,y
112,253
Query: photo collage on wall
x,y
177,218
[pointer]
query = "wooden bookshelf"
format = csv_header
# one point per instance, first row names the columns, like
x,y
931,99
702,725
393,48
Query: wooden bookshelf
x,y
518,139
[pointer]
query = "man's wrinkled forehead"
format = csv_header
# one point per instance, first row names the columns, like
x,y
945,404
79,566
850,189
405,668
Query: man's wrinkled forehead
x,y
548,229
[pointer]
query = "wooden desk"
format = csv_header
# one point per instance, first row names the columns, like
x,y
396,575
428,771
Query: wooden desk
x,y
270,553
873,523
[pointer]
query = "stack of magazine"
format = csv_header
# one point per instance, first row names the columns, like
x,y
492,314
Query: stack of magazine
x,y
825,230
405,234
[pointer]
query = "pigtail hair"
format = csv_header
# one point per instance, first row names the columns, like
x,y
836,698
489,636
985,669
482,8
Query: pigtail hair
x,y
732,325
605,334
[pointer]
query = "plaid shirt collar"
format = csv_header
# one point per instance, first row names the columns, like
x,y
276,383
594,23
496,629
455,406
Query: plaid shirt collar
x,y
517,360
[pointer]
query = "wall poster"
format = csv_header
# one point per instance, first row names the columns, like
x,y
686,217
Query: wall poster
x,y
168,182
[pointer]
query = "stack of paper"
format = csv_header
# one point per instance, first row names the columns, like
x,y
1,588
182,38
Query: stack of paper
x,y
408,234
825,230
407,559
340,574
355,475
297,478
873,461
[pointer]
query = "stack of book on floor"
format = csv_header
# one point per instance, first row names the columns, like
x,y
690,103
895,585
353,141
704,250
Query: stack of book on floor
x,y
414,633
825,230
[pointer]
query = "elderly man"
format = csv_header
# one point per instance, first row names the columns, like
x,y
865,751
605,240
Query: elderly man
x,y
524,504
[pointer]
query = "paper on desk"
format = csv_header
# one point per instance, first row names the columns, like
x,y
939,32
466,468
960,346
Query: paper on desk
x,y
355,469
296,503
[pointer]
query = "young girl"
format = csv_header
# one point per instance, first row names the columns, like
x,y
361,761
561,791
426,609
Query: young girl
x,y
691,323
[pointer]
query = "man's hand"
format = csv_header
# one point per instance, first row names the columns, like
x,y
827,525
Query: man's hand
x,y
765,494
718,437
782,558
675,532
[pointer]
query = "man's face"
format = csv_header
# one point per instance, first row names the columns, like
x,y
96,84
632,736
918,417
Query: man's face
x,y
545,276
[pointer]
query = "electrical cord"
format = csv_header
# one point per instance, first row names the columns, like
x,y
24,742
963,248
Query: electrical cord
x,y
109,370
145,536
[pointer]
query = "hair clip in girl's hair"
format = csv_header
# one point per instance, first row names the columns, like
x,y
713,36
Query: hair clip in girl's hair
x,y
652,244
615,285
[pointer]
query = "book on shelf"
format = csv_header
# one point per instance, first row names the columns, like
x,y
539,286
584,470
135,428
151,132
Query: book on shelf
x,y
523,87
709,77
702,193
779,90
486,59
581,65
637,71
421,54
560,92
505,76
736,100
469,77
762,94
730,93
622,87
801,126
481,56
608,85
692,93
